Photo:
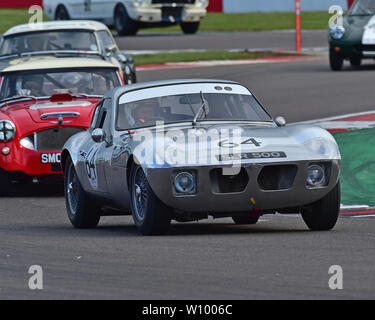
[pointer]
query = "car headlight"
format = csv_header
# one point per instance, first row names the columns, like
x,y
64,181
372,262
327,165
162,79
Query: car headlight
x,y
184,182
7,130
315,176
138,3
337,33
202,3
325,148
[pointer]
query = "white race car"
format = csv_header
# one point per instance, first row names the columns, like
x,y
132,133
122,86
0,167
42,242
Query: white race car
x,y
127,16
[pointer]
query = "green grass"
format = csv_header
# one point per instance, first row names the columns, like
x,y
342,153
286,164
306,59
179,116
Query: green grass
x,y
212,22
160,58
357,166
12,17
256,21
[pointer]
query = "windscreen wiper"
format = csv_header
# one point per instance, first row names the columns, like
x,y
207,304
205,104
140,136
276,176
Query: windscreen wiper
x,y
202,108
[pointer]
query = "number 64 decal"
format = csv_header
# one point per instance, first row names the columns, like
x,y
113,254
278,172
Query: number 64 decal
x,y
227,144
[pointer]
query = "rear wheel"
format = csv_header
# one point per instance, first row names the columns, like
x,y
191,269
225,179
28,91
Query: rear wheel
x,y
124,25
245,219
62,13
82,211
150,215
323,214
336,61
355,61
5,183
190,27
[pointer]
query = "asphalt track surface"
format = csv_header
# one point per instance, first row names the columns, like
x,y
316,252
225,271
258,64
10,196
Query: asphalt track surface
x,y
223,40
276,259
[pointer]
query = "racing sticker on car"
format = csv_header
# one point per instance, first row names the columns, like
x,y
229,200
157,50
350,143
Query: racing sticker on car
x,y
90,165
46,158
252,155
227,144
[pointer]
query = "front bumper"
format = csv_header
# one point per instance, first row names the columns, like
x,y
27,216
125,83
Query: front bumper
x,y
158,14
31,163
349,49
253,196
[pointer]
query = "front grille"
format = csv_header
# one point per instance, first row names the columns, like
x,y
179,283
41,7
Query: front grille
x,y
228,183
365,47
280,177
168,12
54,139
173,1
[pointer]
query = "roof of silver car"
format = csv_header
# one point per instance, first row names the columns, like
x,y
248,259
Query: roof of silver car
x,y
116,92
57,25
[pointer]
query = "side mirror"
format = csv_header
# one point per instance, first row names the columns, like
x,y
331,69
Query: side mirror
x,y
111,49
98,135
280,121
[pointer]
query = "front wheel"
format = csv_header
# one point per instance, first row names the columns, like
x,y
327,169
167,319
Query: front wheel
x,y
150,215
82,212
124,25
5,183
355,61
336,61
62,13
190,27
323,214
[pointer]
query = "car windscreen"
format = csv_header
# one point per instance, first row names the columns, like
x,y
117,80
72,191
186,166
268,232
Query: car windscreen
x,y
363,7
42,83
49,41
184,107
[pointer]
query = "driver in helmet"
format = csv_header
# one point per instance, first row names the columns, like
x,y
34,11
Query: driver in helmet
x,y
35,85
35,44
146,112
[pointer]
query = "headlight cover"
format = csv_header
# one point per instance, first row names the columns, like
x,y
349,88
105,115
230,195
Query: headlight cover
x,y
325,148
138,3
337,33
202,3
7,130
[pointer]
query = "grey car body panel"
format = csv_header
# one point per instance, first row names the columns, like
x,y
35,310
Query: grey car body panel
x,y
112,160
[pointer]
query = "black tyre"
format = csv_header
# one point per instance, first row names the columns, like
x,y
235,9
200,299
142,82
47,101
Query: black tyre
x,y
323,214
150,215
245,219
355,61
124,25
62,13
336,61
190,27
82,211
5,183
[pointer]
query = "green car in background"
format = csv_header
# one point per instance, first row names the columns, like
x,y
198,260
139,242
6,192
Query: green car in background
x,y
355,39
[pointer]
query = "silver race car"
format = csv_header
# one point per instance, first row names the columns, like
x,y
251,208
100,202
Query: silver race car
x,y
187,149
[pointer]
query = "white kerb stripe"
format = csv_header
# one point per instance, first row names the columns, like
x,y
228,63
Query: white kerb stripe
x,y
177,89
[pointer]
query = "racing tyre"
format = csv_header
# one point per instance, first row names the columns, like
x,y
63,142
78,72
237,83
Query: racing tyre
x,y
150,215
124,25
323,214
62,13
245,219
355,61
190,27
336,61
82,211
5,183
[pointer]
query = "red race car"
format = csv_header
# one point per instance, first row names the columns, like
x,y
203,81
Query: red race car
x,y
43,102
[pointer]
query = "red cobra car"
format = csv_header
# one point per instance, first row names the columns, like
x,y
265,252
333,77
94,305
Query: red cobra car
x,y
44,101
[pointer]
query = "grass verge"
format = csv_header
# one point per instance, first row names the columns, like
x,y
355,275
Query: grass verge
x,y
357,166
253,21
161,58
